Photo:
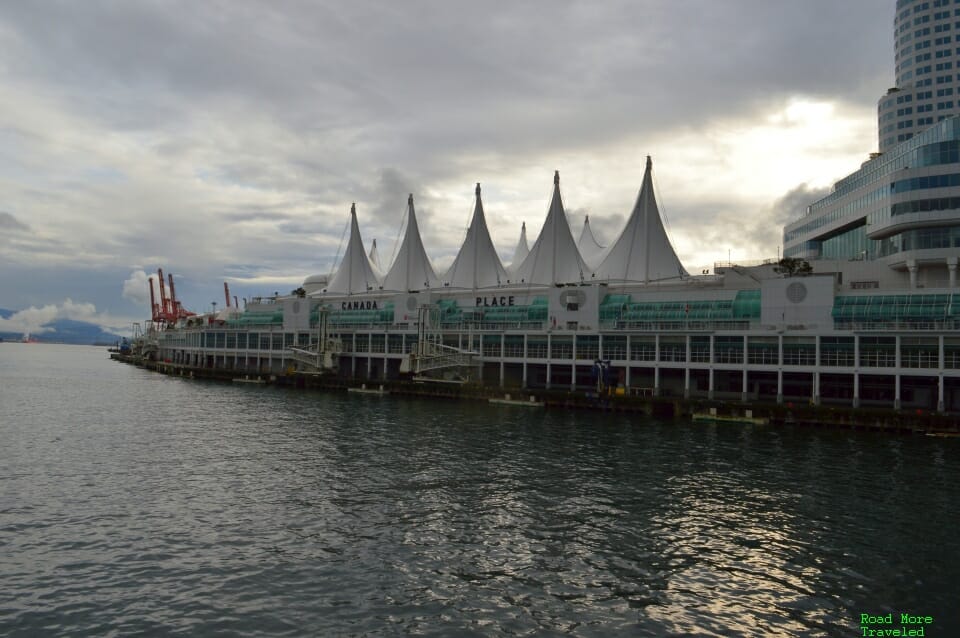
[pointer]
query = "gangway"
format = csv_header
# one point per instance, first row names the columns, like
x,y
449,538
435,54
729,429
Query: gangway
x,y
322,354
431,354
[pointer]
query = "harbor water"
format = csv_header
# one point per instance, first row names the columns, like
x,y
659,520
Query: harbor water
x,y
135,503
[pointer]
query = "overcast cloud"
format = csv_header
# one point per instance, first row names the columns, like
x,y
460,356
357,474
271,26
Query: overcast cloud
x,y
228,139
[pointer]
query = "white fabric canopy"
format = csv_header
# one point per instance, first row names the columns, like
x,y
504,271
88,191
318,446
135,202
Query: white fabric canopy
x,y
355,273
374,257
411,270
477,265
590,249
643,251
554,258
521,251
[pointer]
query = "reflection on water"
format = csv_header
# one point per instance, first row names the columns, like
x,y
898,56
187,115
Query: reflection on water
x,y
136,503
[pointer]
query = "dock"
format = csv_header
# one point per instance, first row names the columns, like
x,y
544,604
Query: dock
x,y
363,389
746,418
509,400
665,408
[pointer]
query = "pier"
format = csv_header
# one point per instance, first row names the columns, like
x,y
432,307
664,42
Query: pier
x,y
914,421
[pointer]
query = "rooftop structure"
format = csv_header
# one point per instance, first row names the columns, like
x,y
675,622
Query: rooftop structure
x,y
477,264
355,274
554,258
374,257
411,270
521,251
589,247
643,251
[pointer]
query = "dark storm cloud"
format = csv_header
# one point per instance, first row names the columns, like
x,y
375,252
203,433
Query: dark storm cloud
x,y
390,197
386,219
9,222
794,203
243,130
451,75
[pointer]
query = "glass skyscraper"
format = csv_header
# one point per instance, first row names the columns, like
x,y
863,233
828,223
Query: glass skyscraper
x,y
902,207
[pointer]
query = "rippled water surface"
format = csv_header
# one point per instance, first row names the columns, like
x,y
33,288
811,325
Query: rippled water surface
x,y
135,503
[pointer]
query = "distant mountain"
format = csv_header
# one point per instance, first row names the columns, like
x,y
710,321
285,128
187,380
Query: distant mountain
x,y
64,331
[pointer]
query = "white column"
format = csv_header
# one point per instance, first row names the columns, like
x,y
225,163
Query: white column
x,y
952,267
525,355
746,356
779,369
502,370
912,267
896,375
353,355
626,378
942,361
686,372
549,352
573,366
856,371
369,354
656,365
710,386
816,374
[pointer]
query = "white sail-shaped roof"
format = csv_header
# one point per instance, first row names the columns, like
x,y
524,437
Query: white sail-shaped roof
x,y
554,258
522,250
355,273
643,251
590,249
374,258
477,265
411,270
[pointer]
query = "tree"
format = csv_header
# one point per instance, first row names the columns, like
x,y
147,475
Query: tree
x,y
792,267
300,292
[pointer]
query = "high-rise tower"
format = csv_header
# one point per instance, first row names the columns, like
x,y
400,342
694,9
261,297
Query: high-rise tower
x,y
902,207
927,56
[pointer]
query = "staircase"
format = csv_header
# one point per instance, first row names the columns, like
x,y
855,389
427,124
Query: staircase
x,y
436,356
322,355
431,354
317,357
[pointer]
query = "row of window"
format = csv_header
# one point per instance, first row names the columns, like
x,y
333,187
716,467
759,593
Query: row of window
x,y
921,95
850,244
854,244
925,205
834,351
909,156
923,121
903,48
919,239
920,183
868,200
914,156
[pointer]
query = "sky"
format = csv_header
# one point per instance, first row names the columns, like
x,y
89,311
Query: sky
x,y
225,140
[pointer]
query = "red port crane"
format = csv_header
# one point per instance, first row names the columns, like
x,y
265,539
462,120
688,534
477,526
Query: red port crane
x,y
169,309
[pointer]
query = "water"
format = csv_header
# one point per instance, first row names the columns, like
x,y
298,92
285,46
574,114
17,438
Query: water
x,y
134,503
